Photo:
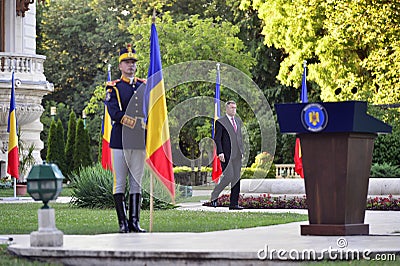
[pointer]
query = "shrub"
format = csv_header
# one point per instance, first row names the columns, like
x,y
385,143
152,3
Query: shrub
x,y
264,166
263,161
92,188
161,196
257,173
387,148
185,176
182,169
5,183
206,169
385,170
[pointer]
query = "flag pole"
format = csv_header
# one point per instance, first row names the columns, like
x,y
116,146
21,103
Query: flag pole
x,y
153,20
15,187
151,203
12,88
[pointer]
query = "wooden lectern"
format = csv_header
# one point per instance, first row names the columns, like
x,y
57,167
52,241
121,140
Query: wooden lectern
x,y
337,140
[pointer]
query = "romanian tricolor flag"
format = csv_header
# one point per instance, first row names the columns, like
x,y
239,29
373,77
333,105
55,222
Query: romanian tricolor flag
x,y
106,134
158,145
298,160
216,164
13,158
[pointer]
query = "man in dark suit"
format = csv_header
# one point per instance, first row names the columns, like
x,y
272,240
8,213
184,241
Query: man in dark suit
x,y
228,139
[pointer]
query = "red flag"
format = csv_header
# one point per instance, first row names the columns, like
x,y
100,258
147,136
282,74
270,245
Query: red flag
x,y
158,144
298,160
13,158
106,134
216,165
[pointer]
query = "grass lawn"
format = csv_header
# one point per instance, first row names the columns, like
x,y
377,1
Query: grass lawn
x,y
73,220
21,218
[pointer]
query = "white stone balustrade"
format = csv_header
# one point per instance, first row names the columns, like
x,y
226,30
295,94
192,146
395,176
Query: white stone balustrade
x,y
286,171
22,64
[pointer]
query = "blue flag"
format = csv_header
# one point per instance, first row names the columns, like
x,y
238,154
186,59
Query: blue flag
x,y
217,113
303,96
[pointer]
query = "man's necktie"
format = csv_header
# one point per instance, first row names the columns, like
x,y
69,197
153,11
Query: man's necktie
x,y
234,124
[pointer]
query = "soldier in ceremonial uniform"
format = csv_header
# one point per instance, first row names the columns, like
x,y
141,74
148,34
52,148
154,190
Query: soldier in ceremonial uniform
x,y
124,100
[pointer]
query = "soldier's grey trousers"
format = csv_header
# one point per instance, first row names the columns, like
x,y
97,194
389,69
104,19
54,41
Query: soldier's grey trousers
x,y
127,163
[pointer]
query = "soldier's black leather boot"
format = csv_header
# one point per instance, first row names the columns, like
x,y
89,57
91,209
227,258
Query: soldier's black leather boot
x,y
134,213
119,200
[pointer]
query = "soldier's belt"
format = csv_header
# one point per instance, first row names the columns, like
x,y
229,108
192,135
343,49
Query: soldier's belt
x,y
130,121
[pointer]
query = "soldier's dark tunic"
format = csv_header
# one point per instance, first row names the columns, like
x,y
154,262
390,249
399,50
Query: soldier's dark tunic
x,y
125,97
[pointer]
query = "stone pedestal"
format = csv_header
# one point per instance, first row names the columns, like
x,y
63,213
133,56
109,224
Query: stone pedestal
x,y
48,235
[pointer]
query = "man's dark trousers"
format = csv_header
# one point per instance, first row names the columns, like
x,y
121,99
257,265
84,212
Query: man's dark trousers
x,y
231,174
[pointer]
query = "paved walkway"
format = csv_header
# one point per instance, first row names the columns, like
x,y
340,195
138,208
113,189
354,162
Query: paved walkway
x,y
270,245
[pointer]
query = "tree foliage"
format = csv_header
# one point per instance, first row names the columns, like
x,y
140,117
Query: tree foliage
x,y
78,38
352,50
82,154
69,148
352,47
52,143
61,147
62,113
210,40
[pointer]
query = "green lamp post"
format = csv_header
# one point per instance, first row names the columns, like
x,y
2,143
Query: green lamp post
x,y
45,183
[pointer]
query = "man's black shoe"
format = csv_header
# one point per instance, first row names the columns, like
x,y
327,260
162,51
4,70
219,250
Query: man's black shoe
x,y
214,203
236,207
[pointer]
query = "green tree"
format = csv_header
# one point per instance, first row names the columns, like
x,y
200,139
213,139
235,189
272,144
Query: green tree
x,y
62,113
52,143
61,147
82,154
209,41
88,159
79,38
352,47
82,51
69,148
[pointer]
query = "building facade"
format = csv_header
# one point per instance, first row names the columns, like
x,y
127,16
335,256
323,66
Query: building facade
x,y
18,54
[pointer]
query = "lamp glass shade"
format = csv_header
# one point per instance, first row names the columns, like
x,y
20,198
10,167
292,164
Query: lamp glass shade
x,y
45,182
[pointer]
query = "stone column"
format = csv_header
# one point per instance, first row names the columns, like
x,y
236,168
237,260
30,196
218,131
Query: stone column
x,y
48,235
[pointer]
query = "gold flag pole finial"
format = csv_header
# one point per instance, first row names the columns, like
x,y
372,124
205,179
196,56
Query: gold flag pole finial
x,y
153,19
